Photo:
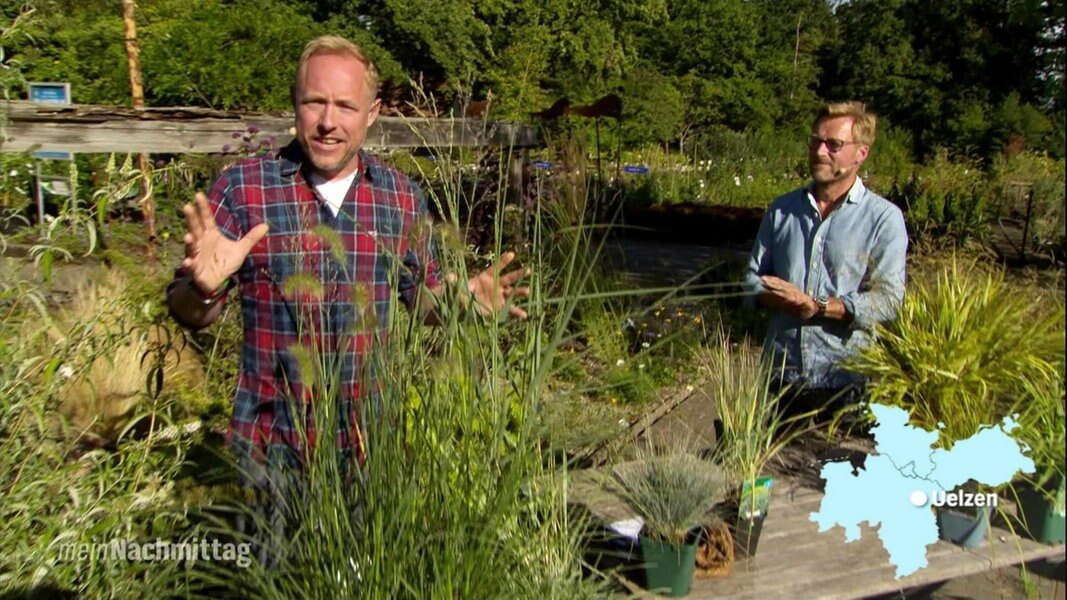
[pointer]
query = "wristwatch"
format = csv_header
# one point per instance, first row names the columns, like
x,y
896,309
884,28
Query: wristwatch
x,y
822,302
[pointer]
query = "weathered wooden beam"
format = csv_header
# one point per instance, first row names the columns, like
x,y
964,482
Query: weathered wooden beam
x,y
85,128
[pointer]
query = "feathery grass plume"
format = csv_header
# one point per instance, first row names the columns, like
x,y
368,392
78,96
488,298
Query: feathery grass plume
x,y
964,349
107,356
329,236
305,286
54,498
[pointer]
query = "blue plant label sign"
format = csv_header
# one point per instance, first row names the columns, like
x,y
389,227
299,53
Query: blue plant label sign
x,y
50,92
636,169
541,164
46,92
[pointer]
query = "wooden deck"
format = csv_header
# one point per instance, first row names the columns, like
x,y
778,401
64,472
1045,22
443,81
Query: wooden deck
x,y
794,560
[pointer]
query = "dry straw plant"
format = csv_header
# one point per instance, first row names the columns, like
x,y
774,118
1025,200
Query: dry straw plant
x,y
111,361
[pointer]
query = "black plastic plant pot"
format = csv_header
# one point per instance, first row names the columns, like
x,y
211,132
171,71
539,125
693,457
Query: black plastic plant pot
x,y
753,504
746,535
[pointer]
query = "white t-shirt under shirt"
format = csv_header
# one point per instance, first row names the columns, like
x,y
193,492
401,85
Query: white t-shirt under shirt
x,y
332,192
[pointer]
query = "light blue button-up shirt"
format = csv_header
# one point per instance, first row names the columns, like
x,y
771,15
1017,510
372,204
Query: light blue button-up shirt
x,y
857,255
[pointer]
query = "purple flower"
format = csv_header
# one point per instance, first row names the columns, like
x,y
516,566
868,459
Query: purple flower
x,y
235,134
253,129
225,147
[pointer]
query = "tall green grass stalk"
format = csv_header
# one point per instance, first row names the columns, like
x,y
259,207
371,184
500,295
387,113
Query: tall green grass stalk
x,y
1042,429
753,428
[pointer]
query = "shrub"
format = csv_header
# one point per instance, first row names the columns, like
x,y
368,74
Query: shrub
x,y
672,491
964,349
1013,176
946,197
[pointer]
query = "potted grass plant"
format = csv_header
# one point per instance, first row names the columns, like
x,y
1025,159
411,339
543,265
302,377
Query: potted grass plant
x,y
1041,497
963,353
751,433
673,492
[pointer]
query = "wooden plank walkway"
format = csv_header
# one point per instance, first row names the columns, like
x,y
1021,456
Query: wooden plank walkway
x,y
796,561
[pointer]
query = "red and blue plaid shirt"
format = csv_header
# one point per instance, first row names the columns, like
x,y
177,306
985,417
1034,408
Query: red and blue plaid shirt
x,y
316,293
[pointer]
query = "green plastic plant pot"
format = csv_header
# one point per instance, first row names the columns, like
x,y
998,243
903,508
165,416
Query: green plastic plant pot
x,y
963,529
1042,519
669,567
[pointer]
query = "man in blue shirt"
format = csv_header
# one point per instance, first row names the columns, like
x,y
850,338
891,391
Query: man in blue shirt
x,y
829,262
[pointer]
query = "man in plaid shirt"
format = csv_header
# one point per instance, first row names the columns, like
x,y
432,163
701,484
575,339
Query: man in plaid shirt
x,y
316,238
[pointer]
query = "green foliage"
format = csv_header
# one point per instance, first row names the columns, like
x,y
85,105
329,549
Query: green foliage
x,y
72,231
655,108
16,179
965,350
15,24
964,75
947,197
180,45
725,169
890,164
1042,428
681,73
629,383
83,48
444,38
1013,176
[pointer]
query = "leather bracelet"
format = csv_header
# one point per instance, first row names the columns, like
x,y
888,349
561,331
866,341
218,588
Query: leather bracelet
x,y
215,296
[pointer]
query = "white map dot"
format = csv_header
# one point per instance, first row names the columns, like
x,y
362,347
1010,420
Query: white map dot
x,y
918,498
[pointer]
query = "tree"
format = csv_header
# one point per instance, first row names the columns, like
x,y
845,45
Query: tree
x,y
229,55
943,69
654,111
792,35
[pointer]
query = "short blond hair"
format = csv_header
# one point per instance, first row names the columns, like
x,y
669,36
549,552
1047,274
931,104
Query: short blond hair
x,y
334,44
864,123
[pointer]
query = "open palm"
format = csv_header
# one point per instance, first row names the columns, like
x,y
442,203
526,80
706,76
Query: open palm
x,y
492,289
210,256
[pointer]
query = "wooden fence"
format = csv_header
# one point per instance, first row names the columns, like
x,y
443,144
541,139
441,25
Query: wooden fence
x,y
84,128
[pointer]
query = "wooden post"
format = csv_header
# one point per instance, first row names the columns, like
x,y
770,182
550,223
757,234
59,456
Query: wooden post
x,y
144,165
1026,224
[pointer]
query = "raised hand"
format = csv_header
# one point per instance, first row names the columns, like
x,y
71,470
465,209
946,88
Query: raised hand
x,y
210,256
492,288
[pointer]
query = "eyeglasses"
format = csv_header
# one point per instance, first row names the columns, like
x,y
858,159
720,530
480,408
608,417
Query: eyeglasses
x,y
832,145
